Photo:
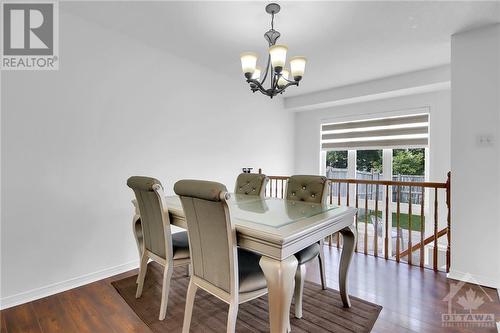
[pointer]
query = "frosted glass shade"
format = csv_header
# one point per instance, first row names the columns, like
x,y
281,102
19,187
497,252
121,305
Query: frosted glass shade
x,y
297,67
256,73
278,56
284,75
248,63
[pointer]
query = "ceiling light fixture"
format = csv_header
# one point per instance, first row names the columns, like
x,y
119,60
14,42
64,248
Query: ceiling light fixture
x,y
275,68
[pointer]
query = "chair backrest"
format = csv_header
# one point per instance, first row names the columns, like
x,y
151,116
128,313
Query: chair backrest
x,y
307,188
154,215
212,238
251,184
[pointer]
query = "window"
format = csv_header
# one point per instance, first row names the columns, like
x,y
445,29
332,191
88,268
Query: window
x,y
368,162
409,163
392,148
336,164
365,148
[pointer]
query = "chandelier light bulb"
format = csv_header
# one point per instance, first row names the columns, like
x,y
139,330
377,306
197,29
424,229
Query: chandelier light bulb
x,y
256,73
297,67
248,63
278,57
282,81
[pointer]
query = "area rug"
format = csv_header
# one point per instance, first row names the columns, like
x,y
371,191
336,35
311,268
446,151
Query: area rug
x,y
322,309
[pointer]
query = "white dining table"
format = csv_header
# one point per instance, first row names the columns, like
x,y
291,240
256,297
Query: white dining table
x,y
277,229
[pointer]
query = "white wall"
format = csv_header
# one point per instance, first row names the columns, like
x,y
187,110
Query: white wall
x,y
116,108
421,81
475,81
308,123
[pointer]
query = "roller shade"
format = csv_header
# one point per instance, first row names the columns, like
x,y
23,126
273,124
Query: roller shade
x,y
395,132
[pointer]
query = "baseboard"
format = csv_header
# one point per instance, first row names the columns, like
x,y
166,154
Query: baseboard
x,y
473,278
58,287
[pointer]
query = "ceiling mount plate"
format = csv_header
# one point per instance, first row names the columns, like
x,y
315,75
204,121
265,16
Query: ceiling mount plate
x,y
273,8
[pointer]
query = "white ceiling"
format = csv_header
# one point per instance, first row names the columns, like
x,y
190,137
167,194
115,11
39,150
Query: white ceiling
x,y
345,42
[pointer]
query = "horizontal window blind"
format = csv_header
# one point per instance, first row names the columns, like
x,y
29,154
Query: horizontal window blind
x,y
395,132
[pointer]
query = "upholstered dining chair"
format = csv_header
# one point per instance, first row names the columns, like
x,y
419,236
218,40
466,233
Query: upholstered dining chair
x,y
157,241
219,267
308,189
251,184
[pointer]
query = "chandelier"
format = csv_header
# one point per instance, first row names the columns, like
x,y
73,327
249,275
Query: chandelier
x,y
275,68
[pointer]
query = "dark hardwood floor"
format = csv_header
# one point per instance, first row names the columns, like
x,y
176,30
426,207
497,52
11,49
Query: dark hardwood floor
x,y
412,299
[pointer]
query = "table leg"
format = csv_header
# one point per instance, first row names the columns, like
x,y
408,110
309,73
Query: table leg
x,y
349,235
280,284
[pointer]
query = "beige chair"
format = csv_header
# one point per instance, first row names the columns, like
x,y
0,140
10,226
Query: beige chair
x,y
219,267
158,243
308,189
251,184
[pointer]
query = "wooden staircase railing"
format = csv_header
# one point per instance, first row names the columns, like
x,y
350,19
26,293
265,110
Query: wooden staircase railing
x,y
373,195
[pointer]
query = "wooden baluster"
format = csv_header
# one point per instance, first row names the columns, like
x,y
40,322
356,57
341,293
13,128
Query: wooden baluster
x,y
282,188
398,231
435,252
375,232
366,219
338,193
356,219
409,228
347,203
331,193
338,203
422,230
386,239
448,222
330,238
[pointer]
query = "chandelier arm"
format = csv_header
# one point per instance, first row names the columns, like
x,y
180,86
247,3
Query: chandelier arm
x,y
289,81
275,81
257,83
286,86
267,68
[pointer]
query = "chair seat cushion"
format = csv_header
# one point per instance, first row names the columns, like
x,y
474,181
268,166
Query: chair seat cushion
x,y
180,245
250,274
307,254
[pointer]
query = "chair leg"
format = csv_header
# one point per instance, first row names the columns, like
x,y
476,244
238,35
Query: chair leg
x,y
300,275
167,275
321,259
142,274
188,313
231,317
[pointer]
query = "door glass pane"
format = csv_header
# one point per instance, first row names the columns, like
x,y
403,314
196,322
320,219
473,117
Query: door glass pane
x,y
369,164
336,164
408,165
369,167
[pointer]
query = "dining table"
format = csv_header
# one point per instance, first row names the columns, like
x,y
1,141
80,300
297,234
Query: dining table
x,y
276,229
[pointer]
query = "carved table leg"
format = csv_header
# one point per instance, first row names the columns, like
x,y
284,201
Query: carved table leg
x,y
349,235
280,284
